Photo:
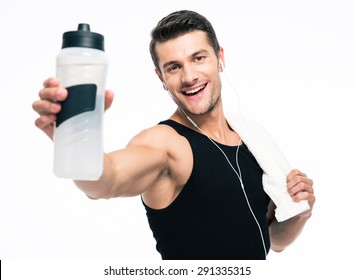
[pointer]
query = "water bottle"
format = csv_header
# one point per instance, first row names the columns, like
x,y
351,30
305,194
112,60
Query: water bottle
x,y
81,67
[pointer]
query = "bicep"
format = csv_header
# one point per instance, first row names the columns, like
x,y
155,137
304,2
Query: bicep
x,y
136,168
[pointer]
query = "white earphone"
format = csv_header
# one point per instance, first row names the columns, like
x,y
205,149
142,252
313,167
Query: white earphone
x,y
221,64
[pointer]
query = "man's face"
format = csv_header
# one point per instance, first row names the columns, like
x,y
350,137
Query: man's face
x,y
190,71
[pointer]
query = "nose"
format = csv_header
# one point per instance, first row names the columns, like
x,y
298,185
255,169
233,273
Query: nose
x,y
189,74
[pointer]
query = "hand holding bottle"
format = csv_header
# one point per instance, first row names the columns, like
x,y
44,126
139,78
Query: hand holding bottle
x,y
48,105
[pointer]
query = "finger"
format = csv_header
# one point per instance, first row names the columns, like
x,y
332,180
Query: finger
x,y
305,196
294,173
53,94
109,95
301,196
301,187
46,123
304,184
300,183
51,82
45,107
311,199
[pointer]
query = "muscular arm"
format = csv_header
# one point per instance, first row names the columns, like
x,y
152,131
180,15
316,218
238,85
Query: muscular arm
x,y
130,171
127,172
282,234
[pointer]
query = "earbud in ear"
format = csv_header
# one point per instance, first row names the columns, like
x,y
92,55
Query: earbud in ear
x,y
221,65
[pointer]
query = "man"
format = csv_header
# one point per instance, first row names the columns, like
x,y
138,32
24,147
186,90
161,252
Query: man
x,y
200,184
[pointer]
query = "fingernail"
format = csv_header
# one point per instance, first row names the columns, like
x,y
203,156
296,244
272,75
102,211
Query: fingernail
x,y
55,107
60,93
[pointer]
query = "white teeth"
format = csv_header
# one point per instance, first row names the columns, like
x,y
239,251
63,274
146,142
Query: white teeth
x,y
194,90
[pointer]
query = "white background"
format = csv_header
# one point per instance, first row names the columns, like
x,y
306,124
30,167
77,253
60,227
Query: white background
x,y
291,62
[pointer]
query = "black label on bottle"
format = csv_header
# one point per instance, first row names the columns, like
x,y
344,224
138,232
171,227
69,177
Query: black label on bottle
x,y
81,98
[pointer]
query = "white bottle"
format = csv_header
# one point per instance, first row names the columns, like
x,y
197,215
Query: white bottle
x,y
78,135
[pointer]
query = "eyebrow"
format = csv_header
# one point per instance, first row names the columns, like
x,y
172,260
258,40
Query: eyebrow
x,y
197,53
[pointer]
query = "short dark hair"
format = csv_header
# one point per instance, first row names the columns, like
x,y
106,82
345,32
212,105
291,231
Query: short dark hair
x,y
179,23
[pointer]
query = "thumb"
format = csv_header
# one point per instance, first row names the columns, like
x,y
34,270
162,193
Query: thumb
x,y
109,95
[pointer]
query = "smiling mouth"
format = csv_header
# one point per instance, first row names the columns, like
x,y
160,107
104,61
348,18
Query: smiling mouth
x,y
194,91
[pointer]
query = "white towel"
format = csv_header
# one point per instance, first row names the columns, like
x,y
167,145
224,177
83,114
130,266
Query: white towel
x,y
273,162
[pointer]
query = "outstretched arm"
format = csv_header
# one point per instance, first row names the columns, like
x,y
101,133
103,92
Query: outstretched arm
x,y
126,172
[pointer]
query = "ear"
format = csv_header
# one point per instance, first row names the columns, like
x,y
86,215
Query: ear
x,y
158,73
221,65
221,60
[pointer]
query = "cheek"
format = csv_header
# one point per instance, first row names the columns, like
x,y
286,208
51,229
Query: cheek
x,y
172,82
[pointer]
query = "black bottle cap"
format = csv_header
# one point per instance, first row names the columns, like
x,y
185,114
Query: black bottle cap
x,y
84,38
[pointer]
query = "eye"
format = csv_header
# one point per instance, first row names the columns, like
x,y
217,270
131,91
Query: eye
x,y
199,58
173,68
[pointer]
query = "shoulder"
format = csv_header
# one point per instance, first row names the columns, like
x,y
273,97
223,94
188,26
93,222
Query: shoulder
x,y
250,130
160,135
167,140
244,123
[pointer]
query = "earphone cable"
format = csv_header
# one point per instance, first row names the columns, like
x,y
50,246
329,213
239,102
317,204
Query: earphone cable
x,y
239,175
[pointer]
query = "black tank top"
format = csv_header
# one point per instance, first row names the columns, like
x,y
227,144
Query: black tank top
x,y
210,218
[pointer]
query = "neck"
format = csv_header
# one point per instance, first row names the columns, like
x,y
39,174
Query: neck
x,y
212,124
